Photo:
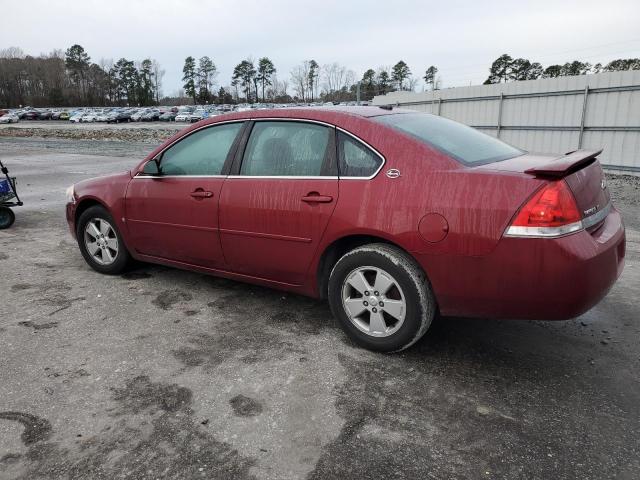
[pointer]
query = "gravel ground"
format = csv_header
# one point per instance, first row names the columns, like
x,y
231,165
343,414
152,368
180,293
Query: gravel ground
x,y
149,132
162,373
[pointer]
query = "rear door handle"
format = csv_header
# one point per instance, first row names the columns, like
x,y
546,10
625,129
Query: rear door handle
x,y
316,198
201,194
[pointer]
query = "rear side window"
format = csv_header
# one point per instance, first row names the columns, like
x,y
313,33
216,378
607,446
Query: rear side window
x,y
201,153
286,149
463,143
355,159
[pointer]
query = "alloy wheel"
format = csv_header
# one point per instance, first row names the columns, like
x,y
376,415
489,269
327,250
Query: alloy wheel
x,y
101,241
374,301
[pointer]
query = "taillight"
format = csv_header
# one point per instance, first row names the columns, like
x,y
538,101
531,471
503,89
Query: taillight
x,y
551,212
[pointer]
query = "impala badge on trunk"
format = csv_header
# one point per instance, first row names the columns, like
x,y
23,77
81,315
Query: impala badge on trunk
x,y
591,210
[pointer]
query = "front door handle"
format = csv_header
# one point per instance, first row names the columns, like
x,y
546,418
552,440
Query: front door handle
x,y
315,197
199,193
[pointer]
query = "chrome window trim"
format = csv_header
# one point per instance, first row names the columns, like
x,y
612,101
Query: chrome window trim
x,y
288,177
281,119
284,177
143,176
384,160
179,139
319,122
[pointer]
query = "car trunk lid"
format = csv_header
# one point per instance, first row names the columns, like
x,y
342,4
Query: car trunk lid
x,y
580,169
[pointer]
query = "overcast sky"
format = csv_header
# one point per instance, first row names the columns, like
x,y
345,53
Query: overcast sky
x,y
461,38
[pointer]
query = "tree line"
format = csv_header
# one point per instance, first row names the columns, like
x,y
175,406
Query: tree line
x,y
506,69
64,78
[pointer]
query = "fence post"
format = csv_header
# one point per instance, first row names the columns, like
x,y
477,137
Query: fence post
x,y
584,114
439,105
499,115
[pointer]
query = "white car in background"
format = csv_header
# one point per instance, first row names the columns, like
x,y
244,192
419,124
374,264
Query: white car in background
x,y
9,118
187,117
89,117
137,116
102,117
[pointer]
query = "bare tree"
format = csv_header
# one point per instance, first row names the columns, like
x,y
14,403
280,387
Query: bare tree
x,y
300,80
158,74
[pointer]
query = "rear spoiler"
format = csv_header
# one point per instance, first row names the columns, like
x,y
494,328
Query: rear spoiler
x,y
565,165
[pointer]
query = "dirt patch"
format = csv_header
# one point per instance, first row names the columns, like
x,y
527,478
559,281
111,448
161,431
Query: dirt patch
x,y
140,394
36,429
245,406
18,287
153,435
38,326
168,298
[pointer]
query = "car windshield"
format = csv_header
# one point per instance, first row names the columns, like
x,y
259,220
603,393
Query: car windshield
x,y
465,144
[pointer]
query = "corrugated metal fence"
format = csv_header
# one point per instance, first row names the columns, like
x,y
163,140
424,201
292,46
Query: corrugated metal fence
x,y
554,115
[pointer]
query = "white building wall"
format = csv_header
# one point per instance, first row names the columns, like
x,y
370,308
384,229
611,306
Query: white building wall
x,y
545,116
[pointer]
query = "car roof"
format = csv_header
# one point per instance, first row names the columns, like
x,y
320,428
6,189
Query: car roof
x,y
360,111
332,115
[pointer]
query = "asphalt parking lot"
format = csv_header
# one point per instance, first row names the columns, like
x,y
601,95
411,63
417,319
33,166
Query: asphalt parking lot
x,y
161,373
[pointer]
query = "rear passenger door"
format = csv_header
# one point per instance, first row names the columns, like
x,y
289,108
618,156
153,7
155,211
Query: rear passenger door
x,y
275,208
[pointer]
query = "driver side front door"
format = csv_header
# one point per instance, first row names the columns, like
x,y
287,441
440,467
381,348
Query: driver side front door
x,y
174,215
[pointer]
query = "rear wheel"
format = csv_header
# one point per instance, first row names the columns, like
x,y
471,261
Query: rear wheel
x,y
381,297
7,217
100,242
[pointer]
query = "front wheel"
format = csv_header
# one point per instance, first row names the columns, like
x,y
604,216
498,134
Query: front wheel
x,y
7,217
381,297
100,241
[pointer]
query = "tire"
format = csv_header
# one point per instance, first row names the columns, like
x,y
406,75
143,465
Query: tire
x,y
109,254
7,217
381,266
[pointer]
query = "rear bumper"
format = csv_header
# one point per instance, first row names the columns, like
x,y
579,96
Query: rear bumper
x,y
532,278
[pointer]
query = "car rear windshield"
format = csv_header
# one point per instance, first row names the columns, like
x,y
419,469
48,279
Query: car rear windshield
x,y
463,143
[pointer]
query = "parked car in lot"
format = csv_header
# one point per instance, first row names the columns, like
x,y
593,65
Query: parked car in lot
x,y
118,117
137,115
102,117
9,118
76,117
84,117
168,116
63,116
187,117
391,214
150,116
30,115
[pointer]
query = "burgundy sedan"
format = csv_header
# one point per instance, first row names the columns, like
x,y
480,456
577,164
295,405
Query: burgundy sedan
x,y
392,215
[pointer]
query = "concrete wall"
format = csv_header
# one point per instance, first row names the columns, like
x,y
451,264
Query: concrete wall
x,y
554,115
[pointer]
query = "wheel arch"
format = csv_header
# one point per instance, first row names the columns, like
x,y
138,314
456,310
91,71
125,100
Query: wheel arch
x,y
84,205
336,249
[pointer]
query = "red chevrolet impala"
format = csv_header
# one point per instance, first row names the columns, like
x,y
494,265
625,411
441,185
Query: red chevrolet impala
x,y
392,215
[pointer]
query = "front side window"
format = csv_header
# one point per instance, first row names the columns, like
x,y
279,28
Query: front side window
x,y
356,159
201,153
286,149
465,144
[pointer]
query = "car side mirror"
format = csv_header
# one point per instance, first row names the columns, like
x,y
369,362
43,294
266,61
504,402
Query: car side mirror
x,y
152,167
